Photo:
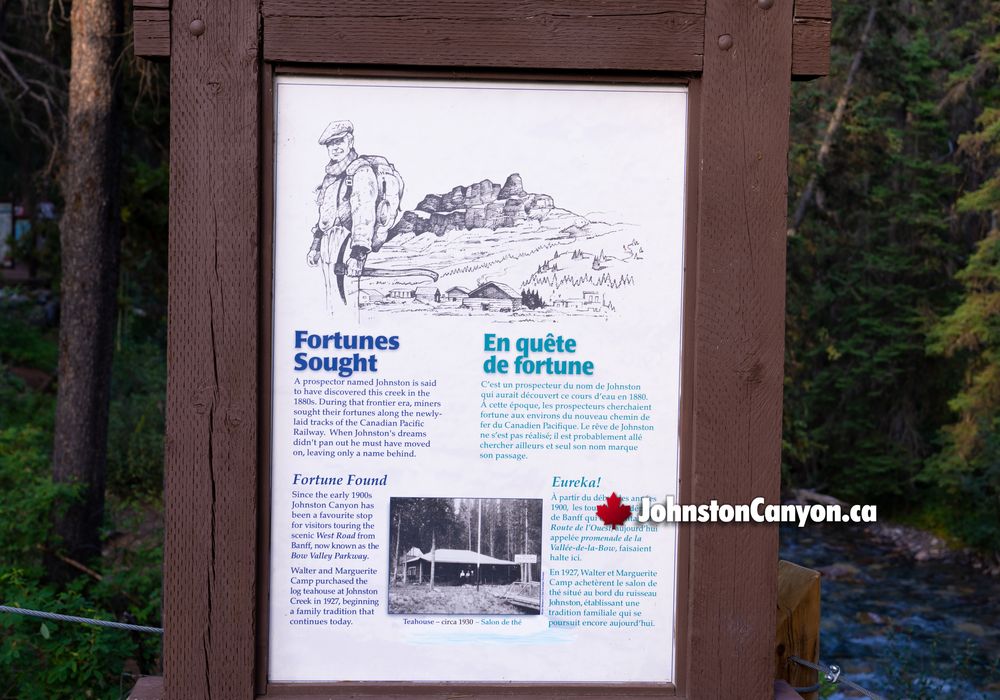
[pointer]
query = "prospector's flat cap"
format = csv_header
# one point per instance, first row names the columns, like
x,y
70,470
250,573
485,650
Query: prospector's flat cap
x,y
335,130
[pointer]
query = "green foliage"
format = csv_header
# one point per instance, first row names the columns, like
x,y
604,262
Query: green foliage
x,y
24,470
984,145
867,270
967,470
23,343
136,422
43,660
872,281
38,249
143,289
60,660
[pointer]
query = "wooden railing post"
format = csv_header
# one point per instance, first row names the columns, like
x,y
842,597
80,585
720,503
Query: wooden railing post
x,y
797,625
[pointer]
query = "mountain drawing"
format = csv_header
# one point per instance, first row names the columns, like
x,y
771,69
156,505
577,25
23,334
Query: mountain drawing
x,y
500,249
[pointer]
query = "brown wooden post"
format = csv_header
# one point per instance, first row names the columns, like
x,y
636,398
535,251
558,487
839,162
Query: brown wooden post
x,y
797,632
739,341
212,400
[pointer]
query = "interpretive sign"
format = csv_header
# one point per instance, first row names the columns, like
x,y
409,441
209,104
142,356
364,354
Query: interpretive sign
x,y
428,262
477,312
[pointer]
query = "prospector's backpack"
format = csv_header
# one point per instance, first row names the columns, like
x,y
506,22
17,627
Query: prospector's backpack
x,y
390,193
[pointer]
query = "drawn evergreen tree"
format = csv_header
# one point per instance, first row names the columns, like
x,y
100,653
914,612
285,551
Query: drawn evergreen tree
x,y
531,299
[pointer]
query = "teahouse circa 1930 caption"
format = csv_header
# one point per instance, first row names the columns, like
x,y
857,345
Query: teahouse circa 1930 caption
x,y
443,276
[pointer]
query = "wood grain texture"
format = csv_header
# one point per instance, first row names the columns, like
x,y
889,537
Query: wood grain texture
x,y
797,630
659,35
739,345
810,48
813,9
211,477
151,33
463,10
151,4
266,311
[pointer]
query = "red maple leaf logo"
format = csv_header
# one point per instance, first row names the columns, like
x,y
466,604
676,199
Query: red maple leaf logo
x,y
614,513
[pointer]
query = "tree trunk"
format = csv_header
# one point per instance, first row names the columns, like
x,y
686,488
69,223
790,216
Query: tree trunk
x,y
433,559
90,251
491,520
395,558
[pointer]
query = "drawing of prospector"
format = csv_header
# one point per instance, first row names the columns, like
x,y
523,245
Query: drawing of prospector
x,y
359,202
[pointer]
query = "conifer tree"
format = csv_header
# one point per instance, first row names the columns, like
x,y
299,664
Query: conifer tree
x,y
968,466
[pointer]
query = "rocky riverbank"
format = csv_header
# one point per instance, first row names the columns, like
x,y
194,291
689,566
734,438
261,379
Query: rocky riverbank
x,y
899,626
913,542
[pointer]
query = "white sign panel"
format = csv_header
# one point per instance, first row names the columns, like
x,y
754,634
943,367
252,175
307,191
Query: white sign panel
x,y
476,343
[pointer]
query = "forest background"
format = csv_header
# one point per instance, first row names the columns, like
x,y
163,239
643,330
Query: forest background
x,y
892,383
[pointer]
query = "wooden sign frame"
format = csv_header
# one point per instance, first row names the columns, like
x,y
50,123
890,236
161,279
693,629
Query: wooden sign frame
x,y
737,59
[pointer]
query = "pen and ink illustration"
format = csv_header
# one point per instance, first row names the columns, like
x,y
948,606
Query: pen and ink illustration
x,y
482,248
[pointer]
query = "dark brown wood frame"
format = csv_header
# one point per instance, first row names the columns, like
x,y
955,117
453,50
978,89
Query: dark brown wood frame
x,y
737,59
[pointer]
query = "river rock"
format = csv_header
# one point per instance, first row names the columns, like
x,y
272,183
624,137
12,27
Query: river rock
x,y
841,570
870,618
857,668
973,628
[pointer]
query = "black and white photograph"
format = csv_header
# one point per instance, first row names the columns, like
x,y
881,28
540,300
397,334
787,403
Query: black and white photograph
x,y
465,556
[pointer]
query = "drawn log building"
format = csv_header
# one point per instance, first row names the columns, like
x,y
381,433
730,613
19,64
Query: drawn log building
x,y
493,296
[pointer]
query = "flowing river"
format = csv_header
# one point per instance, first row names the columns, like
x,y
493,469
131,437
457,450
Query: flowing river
x,y
901,628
